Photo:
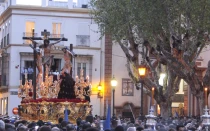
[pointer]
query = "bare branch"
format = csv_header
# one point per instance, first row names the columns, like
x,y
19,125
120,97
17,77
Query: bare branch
x,y
126,51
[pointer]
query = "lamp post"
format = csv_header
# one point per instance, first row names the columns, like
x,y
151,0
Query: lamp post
x,y
113,84
206,96
142,73
100,95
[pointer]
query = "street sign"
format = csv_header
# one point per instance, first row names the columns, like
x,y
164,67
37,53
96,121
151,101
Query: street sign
x,y
15,111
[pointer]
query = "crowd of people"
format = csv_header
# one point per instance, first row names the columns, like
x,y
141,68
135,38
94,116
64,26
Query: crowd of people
x,y
94,124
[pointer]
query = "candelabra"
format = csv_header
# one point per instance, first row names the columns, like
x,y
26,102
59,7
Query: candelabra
x,y
25,91
151,119
46,89
82,87
206,118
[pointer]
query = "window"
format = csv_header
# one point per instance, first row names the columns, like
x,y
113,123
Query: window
x,y
2,40
82,62
5,70
28,68
56,30
56,66
5,36
30,25
4,106
8,31
81,66
83,37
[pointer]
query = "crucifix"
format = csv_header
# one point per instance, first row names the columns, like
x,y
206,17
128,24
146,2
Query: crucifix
x,y
47,59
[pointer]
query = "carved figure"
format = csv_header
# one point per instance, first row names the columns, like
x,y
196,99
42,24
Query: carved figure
x,y
47,59
38,62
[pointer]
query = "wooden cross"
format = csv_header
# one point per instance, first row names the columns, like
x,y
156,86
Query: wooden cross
x,y
45,33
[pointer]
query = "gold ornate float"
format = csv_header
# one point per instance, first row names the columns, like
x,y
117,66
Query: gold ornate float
x,y
47,107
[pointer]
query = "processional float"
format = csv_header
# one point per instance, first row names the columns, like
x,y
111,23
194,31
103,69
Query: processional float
x,y
46,106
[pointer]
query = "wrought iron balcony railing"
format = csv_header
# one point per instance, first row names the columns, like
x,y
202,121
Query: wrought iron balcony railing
x,y
58,4
56,35
29,34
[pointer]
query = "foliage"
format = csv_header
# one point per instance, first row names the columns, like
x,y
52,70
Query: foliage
x,y
174,32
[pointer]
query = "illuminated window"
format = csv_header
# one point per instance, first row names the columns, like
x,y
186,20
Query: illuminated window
x,y
56,30
30,25
82,66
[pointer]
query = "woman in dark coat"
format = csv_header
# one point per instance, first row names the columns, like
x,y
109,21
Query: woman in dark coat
x,y
66,87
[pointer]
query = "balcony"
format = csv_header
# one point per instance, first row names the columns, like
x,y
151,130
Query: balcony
x,y
56,35
28,34
58,4
83,40
61,43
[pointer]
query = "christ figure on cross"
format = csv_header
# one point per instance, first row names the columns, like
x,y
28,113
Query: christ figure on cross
x,y
68,55
47,59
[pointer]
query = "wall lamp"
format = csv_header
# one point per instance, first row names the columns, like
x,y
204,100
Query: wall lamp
x,y
100,94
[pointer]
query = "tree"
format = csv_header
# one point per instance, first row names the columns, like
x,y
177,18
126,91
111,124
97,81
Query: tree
x,y
173,31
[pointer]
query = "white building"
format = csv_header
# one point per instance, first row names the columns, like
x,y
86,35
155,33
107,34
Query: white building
x,y
59,18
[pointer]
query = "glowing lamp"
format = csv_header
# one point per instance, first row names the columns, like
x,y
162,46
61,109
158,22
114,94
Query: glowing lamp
x,y
113,82
142,70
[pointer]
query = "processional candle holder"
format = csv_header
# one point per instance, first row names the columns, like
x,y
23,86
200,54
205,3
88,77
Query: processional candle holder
x,y
206,118
46,89
25,91
151,119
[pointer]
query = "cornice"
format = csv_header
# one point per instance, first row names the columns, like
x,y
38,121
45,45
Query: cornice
x,y
47,8
8,12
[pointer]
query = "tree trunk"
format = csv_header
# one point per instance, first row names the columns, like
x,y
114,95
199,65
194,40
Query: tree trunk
x,y
165,109
200,101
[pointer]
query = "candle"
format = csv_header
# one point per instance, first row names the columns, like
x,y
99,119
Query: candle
x,y
153,89
206,99
77,79
25,75
58,76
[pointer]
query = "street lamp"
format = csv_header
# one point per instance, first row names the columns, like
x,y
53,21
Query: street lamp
x,y
113,84
142,73
100,95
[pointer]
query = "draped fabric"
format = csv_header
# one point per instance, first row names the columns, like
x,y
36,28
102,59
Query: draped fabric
x,y
67,88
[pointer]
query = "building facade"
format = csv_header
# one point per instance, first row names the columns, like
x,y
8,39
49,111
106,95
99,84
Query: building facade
x,y
61,20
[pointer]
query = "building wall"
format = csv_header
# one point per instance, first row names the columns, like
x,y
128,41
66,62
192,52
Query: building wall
x,y
119,70
70,27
